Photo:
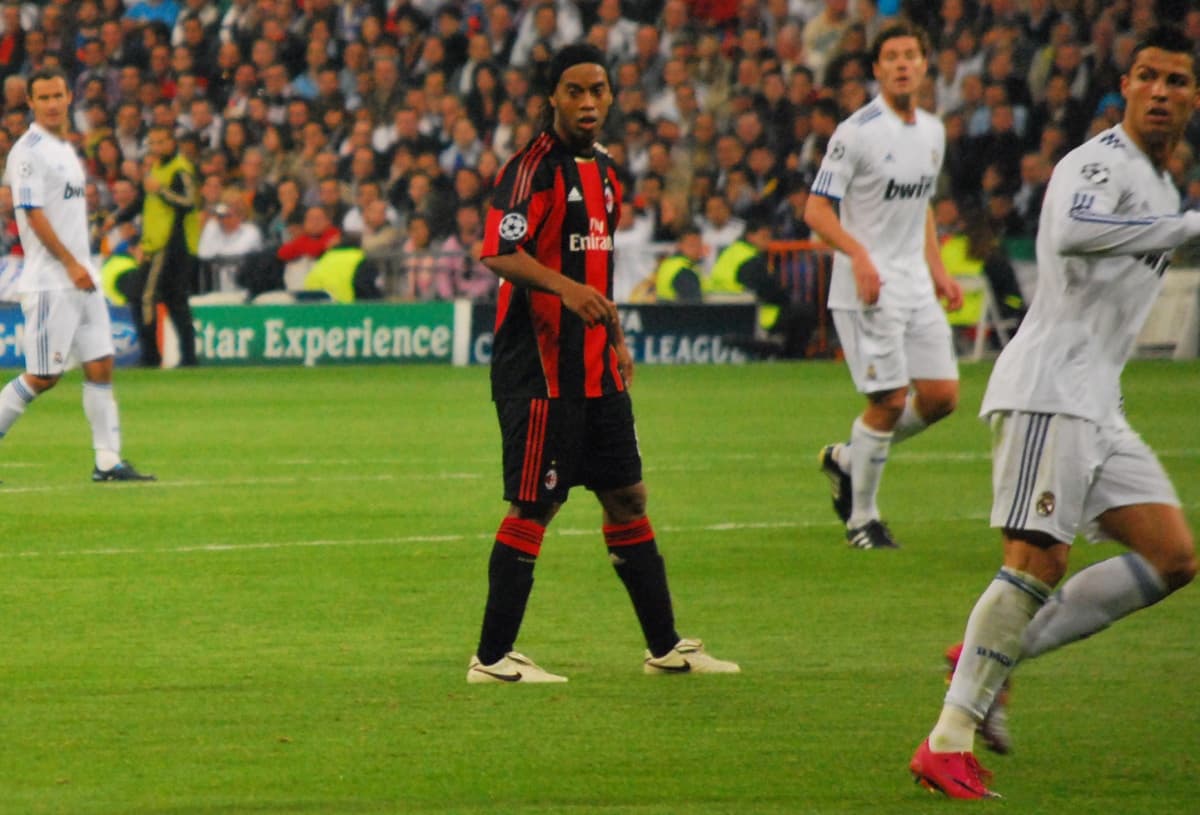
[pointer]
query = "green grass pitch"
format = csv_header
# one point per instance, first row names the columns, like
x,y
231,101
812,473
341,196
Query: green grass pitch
x,y
282,623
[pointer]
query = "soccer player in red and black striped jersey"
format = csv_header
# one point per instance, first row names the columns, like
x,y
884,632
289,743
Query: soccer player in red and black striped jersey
x,y
560,373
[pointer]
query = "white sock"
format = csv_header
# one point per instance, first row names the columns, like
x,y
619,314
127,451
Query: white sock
x,y
910,422
991,647
1092,600
14,398
101,410
868,454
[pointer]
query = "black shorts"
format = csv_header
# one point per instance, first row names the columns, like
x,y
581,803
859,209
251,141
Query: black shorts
x,y
551,445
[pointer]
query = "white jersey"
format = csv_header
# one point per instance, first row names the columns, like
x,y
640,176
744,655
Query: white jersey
x,y
883,171
45,173
1109,223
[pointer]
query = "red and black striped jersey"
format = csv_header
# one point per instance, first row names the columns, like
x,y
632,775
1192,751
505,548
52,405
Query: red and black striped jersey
x,y
562,209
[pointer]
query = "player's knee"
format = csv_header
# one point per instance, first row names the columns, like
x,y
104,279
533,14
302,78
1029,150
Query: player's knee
x,y
540,513
625,504
938,403
1179,563
41,384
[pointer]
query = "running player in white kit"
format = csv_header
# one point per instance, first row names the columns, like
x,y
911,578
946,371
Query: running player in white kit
x,y
1065,460
64,309
881,167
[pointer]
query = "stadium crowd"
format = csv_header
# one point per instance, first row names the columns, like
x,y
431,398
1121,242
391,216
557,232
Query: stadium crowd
x,y
382,123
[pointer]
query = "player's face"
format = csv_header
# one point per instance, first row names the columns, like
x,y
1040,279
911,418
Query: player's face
x,y
581,102
900,69
1160,94
50,100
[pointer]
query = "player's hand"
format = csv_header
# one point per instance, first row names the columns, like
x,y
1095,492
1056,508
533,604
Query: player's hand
x,y
151,184
589,305
866,279
80,276
624,362
949,290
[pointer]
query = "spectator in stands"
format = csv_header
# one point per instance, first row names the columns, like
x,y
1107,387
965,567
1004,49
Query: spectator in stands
x,y
289,212
787,221
379,235
824,120
949,80
205,124
823,32
228,236
345,274
259,193
460,255
105,161
999,145
677,278
334,196
550,24
1027,198
10,238
317,234
718,227
12,41
464,149
354,221
1058,107
501,33
426,272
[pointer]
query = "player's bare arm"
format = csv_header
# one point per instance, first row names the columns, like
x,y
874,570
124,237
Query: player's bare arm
x,y
45,232
944,284
821,217
582,300
624,355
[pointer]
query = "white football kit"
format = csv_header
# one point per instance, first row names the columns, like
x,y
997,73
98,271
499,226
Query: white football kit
x,y
882,171
1063,451
45,173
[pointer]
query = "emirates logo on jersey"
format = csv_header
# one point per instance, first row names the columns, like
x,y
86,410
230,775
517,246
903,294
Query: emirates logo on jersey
x,y
596,239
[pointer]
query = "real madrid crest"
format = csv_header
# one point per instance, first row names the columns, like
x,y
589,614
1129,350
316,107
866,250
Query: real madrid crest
x,y
1045,504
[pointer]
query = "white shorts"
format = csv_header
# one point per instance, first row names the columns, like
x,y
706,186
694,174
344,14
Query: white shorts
x,y
61,322
887,348
1057,474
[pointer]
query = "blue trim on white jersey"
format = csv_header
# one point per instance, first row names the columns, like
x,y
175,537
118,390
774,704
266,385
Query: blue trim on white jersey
x,y
868,113
1088,217
822,183
1031,454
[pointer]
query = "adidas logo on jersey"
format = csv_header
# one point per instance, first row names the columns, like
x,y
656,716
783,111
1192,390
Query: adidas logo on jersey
x,y
574,195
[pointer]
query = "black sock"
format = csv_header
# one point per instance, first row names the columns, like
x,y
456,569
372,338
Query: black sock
x,y
510,580
634,554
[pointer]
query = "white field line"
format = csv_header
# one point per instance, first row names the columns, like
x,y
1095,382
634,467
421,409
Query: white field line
x,y
401,540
